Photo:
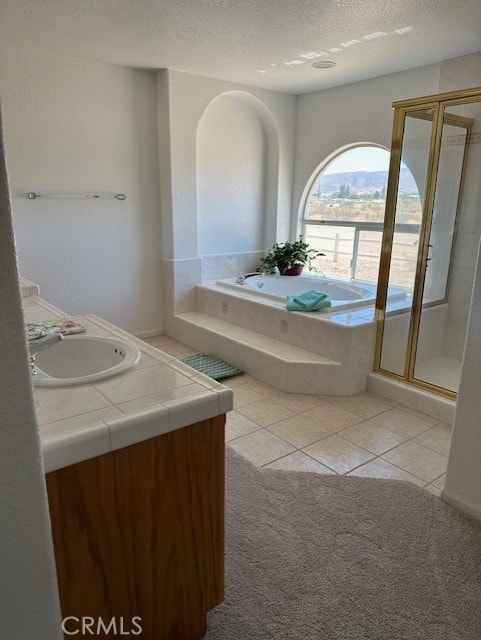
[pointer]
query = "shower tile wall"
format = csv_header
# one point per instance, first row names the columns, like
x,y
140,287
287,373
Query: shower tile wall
x,y
182,275
179,279
215,267
456,74
466,247
431,338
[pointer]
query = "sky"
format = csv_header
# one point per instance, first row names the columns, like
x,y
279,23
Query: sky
x,y
360,159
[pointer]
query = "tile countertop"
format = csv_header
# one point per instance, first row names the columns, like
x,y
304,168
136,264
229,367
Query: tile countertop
x,y
85,421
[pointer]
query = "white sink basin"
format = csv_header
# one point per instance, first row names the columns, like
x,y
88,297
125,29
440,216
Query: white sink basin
x,y
83,360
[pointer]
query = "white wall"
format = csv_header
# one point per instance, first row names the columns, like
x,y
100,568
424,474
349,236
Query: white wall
x,y
29,605
188,98
231,174
79,126
361,112
182,102
463,478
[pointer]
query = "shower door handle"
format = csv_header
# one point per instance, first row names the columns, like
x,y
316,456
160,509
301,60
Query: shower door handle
x,y
430,255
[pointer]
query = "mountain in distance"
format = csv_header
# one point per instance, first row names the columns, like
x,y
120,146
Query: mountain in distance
x,y
363,181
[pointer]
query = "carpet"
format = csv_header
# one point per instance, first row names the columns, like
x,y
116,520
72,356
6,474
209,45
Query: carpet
x,y
312,557
212,367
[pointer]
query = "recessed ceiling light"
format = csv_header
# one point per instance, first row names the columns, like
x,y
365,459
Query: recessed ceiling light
x,y
324,64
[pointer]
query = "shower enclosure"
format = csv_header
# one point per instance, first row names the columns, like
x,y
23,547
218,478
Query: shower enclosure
x,y
430,241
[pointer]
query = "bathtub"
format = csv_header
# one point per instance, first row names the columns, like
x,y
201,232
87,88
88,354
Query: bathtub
x,y
344,294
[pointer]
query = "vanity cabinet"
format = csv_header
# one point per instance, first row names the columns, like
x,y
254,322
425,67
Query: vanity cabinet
x,y
139,534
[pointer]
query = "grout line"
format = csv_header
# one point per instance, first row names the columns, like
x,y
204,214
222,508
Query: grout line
x,y
338,432
323,463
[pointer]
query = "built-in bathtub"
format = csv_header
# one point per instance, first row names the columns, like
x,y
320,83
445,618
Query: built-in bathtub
x,y
330,351
343,294
249,326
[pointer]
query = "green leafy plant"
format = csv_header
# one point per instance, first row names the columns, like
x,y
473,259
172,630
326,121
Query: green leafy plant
x,y
286,255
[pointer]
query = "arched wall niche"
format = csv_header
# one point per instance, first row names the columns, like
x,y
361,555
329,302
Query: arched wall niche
x,y
237,166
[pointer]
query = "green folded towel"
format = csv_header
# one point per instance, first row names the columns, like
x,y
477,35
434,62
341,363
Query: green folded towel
x,y
310,301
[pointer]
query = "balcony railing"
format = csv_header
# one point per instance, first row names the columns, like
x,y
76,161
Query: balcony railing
x,y
355,254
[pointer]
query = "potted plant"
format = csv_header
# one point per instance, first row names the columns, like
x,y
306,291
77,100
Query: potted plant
x,y
289,257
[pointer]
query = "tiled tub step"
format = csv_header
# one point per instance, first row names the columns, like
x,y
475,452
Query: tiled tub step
x,y
281,365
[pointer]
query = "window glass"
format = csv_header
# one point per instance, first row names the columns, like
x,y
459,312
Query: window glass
x,y
344,213
352,186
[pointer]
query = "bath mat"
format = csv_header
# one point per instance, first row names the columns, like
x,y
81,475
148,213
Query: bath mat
x,y
212,367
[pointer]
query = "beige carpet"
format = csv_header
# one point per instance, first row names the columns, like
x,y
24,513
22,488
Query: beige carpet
x,y
314,557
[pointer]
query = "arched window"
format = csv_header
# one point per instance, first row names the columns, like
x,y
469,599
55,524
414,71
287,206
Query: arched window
x,y
343,213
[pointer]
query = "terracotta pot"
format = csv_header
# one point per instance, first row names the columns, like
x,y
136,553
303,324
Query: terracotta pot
x,y
296,270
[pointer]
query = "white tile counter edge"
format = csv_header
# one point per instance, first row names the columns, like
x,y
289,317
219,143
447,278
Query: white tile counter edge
x,y
73,445
28,288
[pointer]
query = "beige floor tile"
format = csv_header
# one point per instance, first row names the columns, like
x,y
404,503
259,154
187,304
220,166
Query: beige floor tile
x,y
434,490
364,404
183,352
332,417
338,454
260,387
159,341
416,459
238,425
298,431
437,438
447,426
379,468
403,423
243,396
172,347
365,424
299,461
372,437
237,381
439,482
298,402
261,447
265,412
418,414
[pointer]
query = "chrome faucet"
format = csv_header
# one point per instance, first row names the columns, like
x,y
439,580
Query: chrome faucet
x,y
242,277
36,346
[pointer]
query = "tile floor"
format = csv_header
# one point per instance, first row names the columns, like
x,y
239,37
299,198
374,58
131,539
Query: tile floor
x,y
361,435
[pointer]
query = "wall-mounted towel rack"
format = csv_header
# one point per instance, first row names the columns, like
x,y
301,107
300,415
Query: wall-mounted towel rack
x,y
32,195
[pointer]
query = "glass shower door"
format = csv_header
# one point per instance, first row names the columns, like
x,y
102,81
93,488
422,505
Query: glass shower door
x,y
431,238
440,332
405,229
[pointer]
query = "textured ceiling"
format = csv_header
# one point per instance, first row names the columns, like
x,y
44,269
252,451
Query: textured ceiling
x,y
234,39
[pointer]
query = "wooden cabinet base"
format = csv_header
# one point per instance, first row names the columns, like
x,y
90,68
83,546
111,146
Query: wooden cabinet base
x,y
139,535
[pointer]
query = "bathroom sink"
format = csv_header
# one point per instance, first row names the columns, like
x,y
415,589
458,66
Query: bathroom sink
x,y
84,360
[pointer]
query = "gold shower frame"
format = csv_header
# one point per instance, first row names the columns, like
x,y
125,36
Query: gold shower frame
x,y
430,108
